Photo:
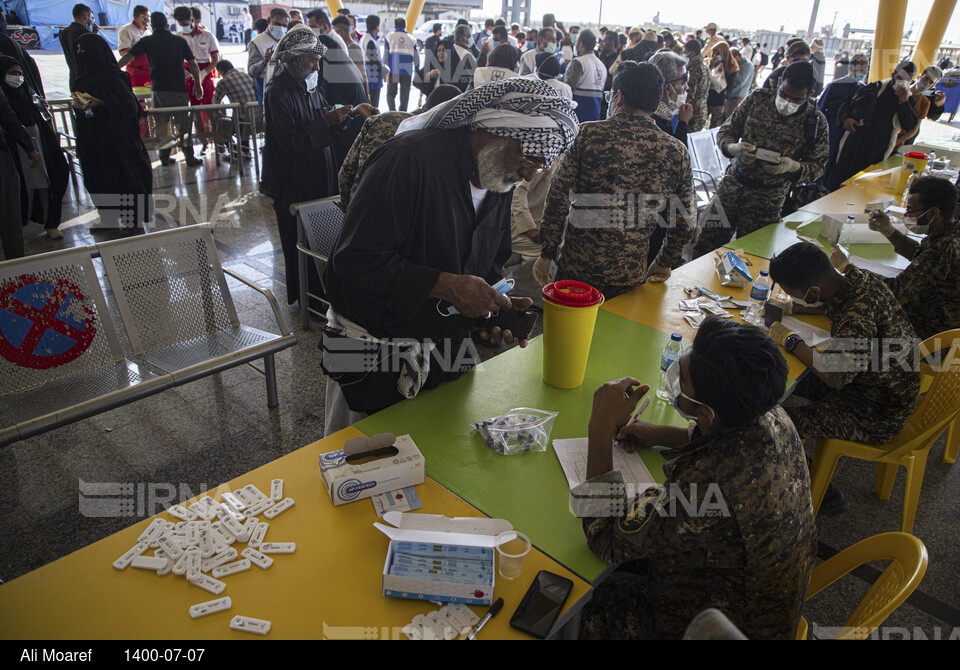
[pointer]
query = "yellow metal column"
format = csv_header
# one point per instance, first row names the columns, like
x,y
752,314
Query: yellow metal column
x,y
413,14
334,6
932,34
888,38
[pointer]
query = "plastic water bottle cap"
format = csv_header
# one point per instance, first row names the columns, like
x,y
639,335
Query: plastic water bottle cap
x,y
676,336
764,273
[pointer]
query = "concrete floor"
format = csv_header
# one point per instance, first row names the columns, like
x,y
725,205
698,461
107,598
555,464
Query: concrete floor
x,y
197,436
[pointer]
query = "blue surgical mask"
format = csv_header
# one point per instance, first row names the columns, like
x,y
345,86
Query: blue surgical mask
x,y
531,45
471,42
550,47
494,44
277,32
860,77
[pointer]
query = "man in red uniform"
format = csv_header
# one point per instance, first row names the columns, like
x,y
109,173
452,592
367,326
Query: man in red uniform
x,y
130,34
206,50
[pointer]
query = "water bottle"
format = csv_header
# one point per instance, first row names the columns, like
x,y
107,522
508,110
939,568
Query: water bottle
x,y
906,191
671,352
758,297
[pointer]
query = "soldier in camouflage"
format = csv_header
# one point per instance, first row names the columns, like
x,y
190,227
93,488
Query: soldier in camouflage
x,y
627,179
928,288
732,528
752,192
375,131
698,84
865,386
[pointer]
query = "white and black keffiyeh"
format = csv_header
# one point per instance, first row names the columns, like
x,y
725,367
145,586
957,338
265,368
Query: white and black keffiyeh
x,y
295,42
528,110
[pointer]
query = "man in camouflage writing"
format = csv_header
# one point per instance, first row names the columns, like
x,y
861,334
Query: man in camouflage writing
x,y
865,386
629,181
930,287
732,527
752,192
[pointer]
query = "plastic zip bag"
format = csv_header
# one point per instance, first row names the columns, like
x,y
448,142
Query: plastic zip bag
x,y
521,430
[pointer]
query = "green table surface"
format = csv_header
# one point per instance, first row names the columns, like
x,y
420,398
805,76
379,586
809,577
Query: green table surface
x,y
773,239
529,490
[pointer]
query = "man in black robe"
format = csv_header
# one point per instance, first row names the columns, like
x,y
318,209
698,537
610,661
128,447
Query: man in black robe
x,y
871,122
300,133
429,229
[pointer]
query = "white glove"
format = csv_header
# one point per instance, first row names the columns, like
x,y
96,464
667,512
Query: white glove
x,y
744,150
541,271
880,222
657,274
784,166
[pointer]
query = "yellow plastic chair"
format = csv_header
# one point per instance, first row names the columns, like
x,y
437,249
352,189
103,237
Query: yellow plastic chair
x,y
953,431
938,408
908,563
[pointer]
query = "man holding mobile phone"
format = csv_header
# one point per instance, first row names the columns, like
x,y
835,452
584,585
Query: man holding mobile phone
x,y
395,271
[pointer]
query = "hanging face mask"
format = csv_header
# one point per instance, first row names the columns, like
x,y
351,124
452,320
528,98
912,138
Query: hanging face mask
x,y
277,32
787,108
803,302
14,80
671,385
311,81
914,225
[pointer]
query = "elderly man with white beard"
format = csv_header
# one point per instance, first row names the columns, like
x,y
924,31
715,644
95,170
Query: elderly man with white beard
x,y
429,230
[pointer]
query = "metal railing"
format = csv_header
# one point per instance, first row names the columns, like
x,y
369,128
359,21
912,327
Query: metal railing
x,y
162,126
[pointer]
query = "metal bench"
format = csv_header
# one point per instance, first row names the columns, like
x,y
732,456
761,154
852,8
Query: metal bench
x,y
318,227
61,358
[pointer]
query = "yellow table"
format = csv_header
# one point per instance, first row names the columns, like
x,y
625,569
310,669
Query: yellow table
x,y
329,588
657,305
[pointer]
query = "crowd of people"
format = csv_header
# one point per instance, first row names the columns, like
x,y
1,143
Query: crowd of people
x,y
550,154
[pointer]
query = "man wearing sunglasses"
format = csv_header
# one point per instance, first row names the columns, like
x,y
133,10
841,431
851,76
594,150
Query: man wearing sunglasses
x,y
750,551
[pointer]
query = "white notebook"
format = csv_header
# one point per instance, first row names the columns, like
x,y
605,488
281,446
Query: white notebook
x,y
572,454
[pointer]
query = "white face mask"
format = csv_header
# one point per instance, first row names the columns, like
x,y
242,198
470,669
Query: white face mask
x,y
914,225
803,301
311,81
14,80
787,108
671,385
676,99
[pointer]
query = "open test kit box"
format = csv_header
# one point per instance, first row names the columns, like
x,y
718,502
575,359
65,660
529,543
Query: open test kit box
x,y
369,466
733,271
433,534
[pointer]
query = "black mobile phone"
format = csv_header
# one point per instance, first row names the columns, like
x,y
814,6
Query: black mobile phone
x,y
541,604
772,314
519,323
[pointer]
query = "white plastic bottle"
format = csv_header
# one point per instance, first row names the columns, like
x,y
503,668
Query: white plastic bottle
x,y
671,352
758,297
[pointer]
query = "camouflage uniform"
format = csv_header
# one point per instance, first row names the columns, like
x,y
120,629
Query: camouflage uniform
x,y
749,197
866,404
698,83
750,555
929,287
375,131
621,179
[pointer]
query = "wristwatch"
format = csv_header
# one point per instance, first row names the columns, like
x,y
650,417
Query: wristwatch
x,y
791,342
